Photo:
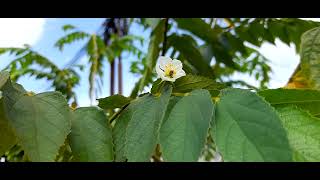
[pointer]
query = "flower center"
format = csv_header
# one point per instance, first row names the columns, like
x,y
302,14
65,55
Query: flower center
x,y
170,71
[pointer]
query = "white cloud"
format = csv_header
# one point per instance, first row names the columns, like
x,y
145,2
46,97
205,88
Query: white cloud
x,y
311,19
284,60
15,32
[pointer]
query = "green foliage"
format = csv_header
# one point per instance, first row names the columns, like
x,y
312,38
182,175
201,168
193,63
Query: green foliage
x,y
4,76
7,137
292,29
303,132
186,46
11,92
63,80
183,133
123,44
137,129
15,154
70,38
211,36
98,51
306,74
34,118
306,99
68,27
192,118
113,102
95,49
190,82
91,136
65,152
249,129
157,86
200,28
310,54
25,58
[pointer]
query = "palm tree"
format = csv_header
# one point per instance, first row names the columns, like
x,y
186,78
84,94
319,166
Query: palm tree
x,y
110,41
117,26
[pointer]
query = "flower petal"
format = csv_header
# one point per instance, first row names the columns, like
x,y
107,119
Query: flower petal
x,y
168,79
177,63
162,61
159,71
180,73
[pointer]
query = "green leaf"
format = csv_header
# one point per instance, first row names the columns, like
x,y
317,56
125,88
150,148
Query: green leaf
x,y
306,99
190,82
25,60
157,86
4,76
279,29
120,129
269,37
152,22
11,93
7,136
249,129
200,28
136,131
246,35
15,51
296,27
114,101
91,136
68,27
65,152
95,48
41,122
185,45
310,57
212,130
223,52
183,134
206,52
303,132
70,38
172,102
236,43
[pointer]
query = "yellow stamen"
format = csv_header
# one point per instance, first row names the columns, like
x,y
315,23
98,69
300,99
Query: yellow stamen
x,y
169,70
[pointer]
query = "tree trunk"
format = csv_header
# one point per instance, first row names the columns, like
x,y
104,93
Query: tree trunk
x,y
110,28
123,30
119,75
112,77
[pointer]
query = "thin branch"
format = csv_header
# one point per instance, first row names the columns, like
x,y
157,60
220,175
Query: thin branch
x,y
119,75
213,23
165,37
115,115
230,24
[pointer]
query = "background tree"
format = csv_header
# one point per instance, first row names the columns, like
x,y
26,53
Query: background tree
x,y
212,47
219,47
32,63
109,43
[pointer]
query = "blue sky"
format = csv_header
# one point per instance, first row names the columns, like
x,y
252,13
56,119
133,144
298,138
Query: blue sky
x,y
41,34
42,38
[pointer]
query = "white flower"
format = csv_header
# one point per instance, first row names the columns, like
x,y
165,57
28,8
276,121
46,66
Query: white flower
x,y
168,69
